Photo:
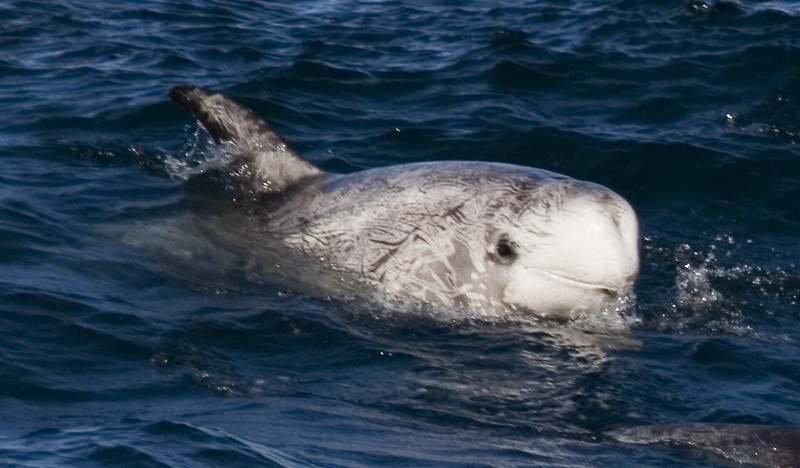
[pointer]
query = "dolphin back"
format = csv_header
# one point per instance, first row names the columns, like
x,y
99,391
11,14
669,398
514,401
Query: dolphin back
x,y
756,445
256,152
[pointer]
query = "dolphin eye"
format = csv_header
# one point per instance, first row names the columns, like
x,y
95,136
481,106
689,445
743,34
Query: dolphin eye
x,y
505,250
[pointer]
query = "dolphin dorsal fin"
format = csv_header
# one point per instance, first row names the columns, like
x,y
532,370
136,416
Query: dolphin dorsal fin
x,y
267,160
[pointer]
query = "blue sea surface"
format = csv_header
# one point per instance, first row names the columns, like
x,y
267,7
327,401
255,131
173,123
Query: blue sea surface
x,y
125,342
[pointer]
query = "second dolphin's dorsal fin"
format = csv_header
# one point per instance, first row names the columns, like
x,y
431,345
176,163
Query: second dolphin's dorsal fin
x,y
267,160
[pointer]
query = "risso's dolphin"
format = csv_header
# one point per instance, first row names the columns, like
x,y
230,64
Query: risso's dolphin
x,y
486,239
751,444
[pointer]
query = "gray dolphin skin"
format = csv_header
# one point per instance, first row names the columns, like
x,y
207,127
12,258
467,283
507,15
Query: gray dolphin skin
x,y
751,444
485,239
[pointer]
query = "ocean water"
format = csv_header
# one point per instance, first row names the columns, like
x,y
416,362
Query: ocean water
x,y
125,341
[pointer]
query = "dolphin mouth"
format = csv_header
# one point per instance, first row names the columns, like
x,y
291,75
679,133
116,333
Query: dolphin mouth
x,y
551,293
608,289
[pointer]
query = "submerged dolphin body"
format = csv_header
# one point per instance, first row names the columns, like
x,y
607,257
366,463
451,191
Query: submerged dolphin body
x,y
756,445
486,239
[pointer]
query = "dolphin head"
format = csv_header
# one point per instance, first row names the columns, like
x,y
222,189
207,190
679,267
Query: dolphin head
x,y
562,247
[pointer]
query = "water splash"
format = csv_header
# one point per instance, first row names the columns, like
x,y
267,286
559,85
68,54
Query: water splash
x,y
197,156
714,292
693,281
617,317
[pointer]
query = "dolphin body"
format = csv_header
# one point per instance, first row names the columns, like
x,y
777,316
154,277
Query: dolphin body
x,y
485,239
752,444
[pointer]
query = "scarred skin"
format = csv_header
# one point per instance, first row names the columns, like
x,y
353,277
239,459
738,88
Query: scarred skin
x,y
487,239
